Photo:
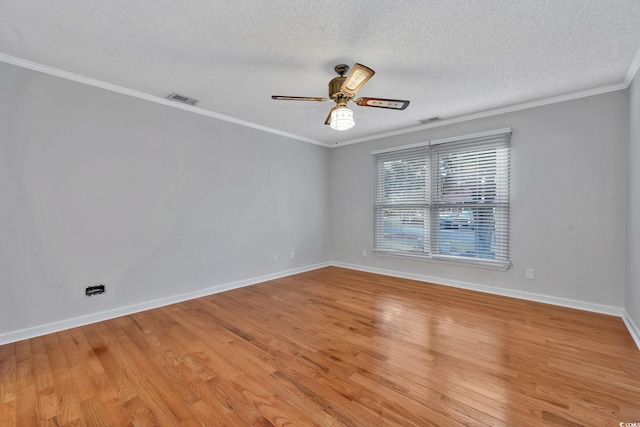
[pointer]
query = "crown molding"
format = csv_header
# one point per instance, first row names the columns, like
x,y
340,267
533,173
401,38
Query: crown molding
x,y
494,112
630,75
633,69
34,66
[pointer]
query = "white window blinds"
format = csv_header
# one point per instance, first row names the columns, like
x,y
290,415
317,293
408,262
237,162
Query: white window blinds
x,y
446,199
402,201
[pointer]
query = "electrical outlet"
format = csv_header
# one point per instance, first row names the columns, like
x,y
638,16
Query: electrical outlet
x,y
364,252
292,255
275,257
529,273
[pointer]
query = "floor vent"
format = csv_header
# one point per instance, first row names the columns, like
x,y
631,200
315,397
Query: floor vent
x,y
184,99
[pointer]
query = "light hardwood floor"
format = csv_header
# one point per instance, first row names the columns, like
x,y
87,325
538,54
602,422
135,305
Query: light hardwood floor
x,y
330,347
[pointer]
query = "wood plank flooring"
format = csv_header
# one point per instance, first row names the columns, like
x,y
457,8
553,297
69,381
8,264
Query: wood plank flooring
x,y
331,347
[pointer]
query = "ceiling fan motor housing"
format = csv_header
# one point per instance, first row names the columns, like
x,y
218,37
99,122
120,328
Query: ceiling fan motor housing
x,y
335,85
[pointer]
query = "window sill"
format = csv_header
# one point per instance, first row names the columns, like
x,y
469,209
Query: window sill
x,y
485,264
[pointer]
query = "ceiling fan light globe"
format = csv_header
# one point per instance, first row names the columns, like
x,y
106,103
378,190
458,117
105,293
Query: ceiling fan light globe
x,y
342,119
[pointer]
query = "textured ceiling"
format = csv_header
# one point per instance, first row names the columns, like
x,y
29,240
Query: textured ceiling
x,y
449,58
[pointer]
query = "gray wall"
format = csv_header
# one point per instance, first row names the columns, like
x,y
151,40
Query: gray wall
x,y
632,301
99,187
568,193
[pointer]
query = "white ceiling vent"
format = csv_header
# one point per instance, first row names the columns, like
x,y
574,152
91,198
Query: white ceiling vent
x,y
429,120
184,99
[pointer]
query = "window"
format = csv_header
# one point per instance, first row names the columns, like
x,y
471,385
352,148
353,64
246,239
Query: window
x,y
446,199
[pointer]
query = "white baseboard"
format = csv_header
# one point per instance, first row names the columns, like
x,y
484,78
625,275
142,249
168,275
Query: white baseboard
x,y
634,331
529,296
75,322
40,330
632,327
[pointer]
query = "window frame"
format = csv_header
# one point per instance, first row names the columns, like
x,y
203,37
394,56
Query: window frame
x,y
490,214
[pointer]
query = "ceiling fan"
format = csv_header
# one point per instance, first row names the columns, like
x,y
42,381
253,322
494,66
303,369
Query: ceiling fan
x,y
342,90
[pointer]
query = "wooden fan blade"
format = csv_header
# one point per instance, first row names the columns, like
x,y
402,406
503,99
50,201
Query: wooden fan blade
x,y
357,77
393,104
298,98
